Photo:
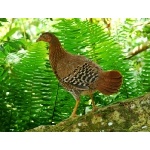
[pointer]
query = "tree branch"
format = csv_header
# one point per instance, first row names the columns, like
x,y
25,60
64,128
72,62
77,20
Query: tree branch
x,y
139,49
129,115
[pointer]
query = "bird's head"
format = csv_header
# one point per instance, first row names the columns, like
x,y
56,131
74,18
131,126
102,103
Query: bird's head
x,y
46,37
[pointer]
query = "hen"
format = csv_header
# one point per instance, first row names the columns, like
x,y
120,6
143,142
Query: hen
x,y
79,75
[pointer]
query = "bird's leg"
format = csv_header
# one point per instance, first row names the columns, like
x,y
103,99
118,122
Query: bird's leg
x,y
93,103
75,108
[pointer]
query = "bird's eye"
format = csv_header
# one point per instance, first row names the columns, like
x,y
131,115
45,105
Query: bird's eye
x,y
43,36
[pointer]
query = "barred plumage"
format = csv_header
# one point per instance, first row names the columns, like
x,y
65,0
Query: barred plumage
x,y
82,76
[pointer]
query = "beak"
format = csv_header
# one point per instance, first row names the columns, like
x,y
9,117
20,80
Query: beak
x,y
38,40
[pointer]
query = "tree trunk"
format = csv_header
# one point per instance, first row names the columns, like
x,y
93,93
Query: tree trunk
x,y
126,116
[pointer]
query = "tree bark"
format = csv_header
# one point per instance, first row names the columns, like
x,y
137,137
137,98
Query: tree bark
x,y
138,49
131,115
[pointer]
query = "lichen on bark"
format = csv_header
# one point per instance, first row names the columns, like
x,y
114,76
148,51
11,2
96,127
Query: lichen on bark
x,y
130,115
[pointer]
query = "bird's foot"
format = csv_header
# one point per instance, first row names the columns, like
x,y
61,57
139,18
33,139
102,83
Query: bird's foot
x,y
73,115
95,108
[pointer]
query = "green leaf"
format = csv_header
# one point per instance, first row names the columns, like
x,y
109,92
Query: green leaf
x,y
10,33
3,20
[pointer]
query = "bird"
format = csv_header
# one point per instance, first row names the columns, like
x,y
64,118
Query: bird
x,y
78,74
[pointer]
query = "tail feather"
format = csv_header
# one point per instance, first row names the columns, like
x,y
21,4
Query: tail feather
x,y
109,82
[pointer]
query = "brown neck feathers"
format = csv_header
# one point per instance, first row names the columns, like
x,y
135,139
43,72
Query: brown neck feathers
x,y
56,51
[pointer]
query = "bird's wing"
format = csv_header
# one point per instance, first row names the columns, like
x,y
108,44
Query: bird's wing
x,y
77,71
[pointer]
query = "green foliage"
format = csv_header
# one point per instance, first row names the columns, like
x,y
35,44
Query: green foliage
x,y
145,76
10,33
130,34
146,30
30,94
2,20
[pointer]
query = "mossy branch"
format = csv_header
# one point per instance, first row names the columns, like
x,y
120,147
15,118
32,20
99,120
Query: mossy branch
x,y
130,115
